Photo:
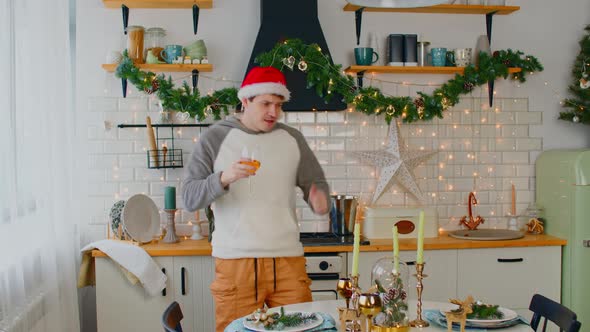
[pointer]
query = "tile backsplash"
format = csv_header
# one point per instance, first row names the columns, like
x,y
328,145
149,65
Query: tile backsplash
x,y
480,148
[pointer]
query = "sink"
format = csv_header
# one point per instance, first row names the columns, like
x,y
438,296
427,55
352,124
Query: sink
x,y
487,234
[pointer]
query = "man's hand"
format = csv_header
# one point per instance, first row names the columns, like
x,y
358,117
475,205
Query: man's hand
x,y
236,171
318,200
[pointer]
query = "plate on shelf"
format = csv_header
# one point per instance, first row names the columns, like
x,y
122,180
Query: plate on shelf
x,y
141,219
258,327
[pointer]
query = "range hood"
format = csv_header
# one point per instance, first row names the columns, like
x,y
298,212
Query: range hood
x,y
285,19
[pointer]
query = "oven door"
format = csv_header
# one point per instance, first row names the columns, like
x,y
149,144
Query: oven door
x,y
323,286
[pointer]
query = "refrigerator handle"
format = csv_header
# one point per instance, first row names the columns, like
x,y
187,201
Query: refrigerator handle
x,y
510,260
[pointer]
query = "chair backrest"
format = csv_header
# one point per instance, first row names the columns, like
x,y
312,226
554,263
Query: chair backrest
x,y
563,317
172,317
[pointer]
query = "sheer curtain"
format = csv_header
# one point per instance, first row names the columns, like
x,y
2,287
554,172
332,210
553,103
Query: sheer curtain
x,y
38,235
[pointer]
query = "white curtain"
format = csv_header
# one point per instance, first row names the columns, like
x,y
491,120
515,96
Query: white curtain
x,y
38,234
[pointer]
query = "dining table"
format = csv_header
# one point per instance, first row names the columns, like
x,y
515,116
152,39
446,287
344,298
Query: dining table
x,y
329,309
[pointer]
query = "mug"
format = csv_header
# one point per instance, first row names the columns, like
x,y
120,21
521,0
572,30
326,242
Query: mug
x,y
450,62
462,57
439,56
364,56
171,52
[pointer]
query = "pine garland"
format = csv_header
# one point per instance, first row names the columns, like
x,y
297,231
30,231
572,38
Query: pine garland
x,y
327,80
485,311
579,104
279,321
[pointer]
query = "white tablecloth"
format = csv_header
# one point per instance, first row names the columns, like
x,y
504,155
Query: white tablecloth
x,y
331,307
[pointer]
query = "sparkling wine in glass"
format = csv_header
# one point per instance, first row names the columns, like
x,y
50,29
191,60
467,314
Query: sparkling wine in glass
x,y
252,161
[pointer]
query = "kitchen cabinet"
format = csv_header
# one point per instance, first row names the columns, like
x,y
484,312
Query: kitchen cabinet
x,y
505,276
441,268
122,306
510,276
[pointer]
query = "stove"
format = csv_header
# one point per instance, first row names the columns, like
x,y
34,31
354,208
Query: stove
x,y
328,239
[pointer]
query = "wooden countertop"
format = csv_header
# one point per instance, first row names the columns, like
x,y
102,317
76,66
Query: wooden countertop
x,y
203,248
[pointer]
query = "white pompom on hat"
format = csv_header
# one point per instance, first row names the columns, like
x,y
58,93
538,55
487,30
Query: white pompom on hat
x,y
264,80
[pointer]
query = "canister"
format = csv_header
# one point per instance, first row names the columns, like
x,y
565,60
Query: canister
x,y
154,41
135,43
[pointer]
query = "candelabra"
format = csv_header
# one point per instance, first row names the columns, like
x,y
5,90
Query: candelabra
x,y
419,322
170,229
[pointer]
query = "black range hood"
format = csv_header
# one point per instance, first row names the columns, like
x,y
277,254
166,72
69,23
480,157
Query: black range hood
x,y
286,19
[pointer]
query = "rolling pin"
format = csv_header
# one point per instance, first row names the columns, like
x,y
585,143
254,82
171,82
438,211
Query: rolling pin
x,y
152,141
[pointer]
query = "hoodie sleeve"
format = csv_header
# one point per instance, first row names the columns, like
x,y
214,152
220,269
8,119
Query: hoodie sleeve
x,y
201,185
309,170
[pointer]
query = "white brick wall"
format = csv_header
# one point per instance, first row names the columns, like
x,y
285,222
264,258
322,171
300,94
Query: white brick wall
x,y
493,144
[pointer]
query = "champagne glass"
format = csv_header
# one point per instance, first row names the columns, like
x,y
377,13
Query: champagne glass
x,y
252,161
344,288
370,305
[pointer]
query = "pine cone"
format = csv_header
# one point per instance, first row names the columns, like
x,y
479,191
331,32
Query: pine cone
x,y
468,86
496,54
419,102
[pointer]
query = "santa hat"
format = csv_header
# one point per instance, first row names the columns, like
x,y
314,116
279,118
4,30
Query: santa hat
x,y
264,80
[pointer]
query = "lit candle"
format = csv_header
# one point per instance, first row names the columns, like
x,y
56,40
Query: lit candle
x,y
355,249
170,198
395,250
420,253
513,207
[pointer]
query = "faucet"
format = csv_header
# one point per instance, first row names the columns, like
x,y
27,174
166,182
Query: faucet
x,y
472,223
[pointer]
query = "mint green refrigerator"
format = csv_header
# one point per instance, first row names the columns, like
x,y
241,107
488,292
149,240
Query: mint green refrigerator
x,y
563,189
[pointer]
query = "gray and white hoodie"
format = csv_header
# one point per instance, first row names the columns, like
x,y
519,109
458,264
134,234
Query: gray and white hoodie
x,y
261,223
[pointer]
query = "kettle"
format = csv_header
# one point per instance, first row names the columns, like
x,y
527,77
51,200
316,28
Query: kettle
x,y
342,214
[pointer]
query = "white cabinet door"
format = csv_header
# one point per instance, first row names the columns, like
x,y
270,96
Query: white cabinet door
x,y
121,306
192,277
510,277
441,268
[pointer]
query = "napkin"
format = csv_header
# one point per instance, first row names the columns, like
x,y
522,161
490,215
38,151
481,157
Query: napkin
x,y
329,323
134,261
436,317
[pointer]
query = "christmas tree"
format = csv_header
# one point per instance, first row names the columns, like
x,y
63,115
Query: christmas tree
x,y
579,105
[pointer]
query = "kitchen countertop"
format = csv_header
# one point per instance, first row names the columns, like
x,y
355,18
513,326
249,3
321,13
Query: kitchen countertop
x,y
203,248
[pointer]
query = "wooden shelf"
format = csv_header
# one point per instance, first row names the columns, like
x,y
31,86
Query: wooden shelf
x,y
165,125
160,68
442,9
203,4
412,70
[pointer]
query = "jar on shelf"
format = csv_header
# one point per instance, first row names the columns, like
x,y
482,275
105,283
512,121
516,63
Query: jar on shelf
x,y
533,211
392,286
154,41
135,34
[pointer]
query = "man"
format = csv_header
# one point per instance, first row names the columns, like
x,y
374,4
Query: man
x,y
258,256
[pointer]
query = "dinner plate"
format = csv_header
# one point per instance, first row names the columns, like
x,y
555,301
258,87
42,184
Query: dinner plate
x,y
508,316
258,327
141,219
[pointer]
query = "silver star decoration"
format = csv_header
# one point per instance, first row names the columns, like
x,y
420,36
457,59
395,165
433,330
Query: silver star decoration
x,y
396,161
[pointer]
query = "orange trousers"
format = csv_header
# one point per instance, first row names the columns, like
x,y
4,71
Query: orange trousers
x,y
243,285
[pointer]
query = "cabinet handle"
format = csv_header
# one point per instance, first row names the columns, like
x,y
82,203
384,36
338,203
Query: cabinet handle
x,y
182,288
411,263
510,260
164,290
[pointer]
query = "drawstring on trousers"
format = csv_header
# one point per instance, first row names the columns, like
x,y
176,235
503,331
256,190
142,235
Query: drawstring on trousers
x,y
274,272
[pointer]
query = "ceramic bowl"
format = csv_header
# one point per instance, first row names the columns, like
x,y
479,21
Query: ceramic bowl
x,y
196,50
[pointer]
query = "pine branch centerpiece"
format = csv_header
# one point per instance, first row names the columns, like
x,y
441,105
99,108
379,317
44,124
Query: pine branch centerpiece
x,y
482,310
277,321
394,305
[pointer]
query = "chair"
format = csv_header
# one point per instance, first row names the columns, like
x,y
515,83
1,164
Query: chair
x,y
563,317
172,317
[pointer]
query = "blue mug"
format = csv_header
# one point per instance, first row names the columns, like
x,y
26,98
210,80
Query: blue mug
x,y
439,56
171,52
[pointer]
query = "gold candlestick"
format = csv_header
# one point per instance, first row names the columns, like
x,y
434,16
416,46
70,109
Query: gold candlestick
x,y
170,236
419,322
351,319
